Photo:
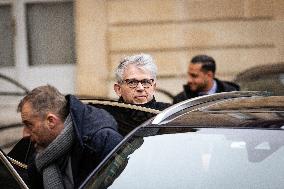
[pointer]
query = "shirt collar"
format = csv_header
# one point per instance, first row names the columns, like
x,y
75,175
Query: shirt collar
x,y
211,91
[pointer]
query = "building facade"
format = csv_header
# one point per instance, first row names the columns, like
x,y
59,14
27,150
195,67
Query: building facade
x,y
239,34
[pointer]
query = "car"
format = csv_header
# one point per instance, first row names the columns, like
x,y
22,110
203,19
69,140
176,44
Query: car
x,y
226,140
268,77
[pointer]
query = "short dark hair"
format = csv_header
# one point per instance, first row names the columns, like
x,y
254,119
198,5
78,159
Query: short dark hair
x,y
46,99
208,63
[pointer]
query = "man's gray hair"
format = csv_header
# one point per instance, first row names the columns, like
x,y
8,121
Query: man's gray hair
x,y
144,61
46,99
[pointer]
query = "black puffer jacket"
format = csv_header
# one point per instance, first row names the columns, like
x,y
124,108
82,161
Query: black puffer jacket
x,y
222,86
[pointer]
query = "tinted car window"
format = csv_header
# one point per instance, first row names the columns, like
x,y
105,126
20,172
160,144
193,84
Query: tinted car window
x,y
196,158
256,111
268,77
7,180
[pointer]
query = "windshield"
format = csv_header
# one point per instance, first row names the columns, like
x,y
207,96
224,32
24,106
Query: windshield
x,y
198,159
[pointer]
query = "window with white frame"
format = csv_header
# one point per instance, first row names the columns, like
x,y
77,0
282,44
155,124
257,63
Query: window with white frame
x,y
50,32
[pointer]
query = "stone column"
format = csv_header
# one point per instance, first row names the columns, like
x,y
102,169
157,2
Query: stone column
x,y
91,47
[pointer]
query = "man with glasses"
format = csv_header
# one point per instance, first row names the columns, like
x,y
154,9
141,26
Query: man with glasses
x,y
136,81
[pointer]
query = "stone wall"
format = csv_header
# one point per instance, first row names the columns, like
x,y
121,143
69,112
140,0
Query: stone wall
x,y
239,34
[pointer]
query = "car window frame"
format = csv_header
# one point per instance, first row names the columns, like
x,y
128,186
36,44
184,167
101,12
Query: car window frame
x,y
11,169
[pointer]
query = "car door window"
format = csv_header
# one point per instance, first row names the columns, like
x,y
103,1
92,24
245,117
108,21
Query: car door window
x,y
9,178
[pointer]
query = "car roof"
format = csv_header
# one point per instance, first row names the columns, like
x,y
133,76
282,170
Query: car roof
x,y
212,111
203,101
230,109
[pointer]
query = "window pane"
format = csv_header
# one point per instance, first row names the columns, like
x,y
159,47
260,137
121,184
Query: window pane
x,y
50,33
202,158
6,37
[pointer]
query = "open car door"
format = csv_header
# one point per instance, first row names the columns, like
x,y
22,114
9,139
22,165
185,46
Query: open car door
x,y
9,177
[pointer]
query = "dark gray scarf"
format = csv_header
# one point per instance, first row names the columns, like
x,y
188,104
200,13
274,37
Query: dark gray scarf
x,y
48,160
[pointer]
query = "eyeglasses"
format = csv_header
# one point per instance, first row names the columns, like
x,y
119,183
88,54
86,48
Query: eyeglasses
x,y
133,83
